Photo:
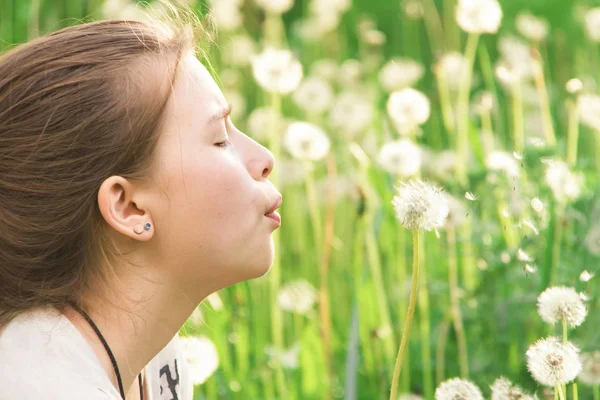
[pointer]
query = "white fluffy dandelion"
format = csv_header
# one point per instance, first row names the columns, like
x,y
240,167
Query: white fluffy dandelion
x,y
502,161
590,371
552,362
201,356
408,108
565,185
452,66
314,95
503,389
275,6
306,141
458,389
277,71
558,302
400,73
592,24
532,27
297,296
588,110
420,205
351,114
261,120
400,157
479,16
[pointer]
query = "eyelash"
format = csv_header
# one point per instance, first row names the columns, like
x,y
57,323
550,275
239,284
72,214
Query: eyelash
x,y
224,144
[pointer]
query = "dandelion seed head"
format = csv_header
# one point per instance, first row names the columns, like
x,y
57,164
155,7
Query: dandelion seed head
x,y
551,362
420,205
314,95
400,157
565,185
351,113
592,240
501,161
588,109
532,27
201,356
277,71
479,16
558,302
408,108
458,389
592,24
590,371
297,296
574,85
451,66
585,276
503,389
400,73
537,205
306,141
275,6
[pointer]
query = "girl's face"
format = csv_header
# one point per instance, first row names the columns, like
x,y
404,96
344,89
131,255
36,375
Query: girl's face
x,y
212,189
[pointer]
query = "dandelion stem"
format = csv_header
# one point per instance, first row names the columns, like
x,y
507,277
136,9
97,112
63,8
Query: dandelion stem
x,y
572,133
596,390
463,109
575,394
440,357
445,102
556,241
540,85
402,304
561,395
455,303
409,315
517,116
425,327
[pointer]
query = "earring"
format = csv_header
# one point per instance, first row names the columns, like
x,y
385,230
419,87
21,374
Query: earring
x,y
139,228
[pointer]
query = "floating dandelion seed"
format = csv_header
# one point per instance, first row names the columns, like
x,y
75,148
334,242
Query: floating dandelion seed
x,y
277,71
522,256
420,205
530,269
470,196
306,141
537,205
201,356
458,389
590,371
552,362
503,389
585,276
558,302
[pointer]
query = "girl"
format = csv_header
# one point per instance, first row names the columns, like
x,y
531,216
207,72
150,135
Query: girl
x,y
127,196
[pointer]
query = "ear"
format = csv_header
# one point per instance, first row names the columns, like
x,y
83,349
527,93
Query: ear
x,y
117,201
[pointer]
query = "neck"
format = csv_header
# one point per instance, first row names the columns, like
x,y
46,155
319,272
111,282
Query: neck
x,y
138,326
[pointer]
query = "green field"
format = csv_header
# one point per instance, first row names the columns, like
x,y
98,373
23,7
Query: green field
x,y
508,125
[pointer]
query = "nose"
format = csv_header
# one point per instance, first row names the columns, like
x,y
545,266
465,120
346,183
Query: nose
x,y
261,162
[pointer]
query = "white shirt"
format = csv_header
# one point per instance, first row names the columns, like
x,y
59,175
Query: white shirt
x,y
43,356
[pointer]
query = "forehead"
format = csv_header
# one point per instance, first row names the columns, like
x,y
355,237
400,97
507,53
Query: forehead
x,y
194,91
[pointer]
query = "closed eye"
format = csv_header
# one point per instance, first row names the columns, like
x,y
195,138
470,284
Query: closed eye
x,y
223,144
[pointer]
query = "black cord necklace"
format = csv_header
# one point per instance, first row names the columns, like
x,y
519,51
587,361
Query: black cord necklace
x,y
110,354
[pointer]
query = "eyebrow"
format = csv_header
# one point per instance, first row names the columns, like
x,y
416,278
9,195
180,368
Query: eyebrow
x,y
221,114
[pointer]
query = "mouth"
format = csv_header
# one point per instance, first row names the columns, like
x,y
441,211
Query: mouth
x,y
272,214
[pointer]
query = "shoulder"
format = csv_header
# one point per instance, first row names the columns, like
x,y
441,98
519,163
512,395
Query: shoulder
x,y
44,356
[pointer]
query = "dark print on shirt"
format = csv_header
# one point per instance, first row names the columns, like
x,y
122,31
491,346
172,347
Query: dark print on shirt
x,y
169,382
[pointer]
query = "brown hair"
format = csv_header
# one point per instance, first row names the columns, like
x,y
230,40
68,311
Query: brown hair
x,y
76,106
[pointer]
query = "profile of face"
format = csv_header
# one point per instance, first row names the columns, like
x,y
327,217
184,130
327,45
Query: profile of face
x,y
208,195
